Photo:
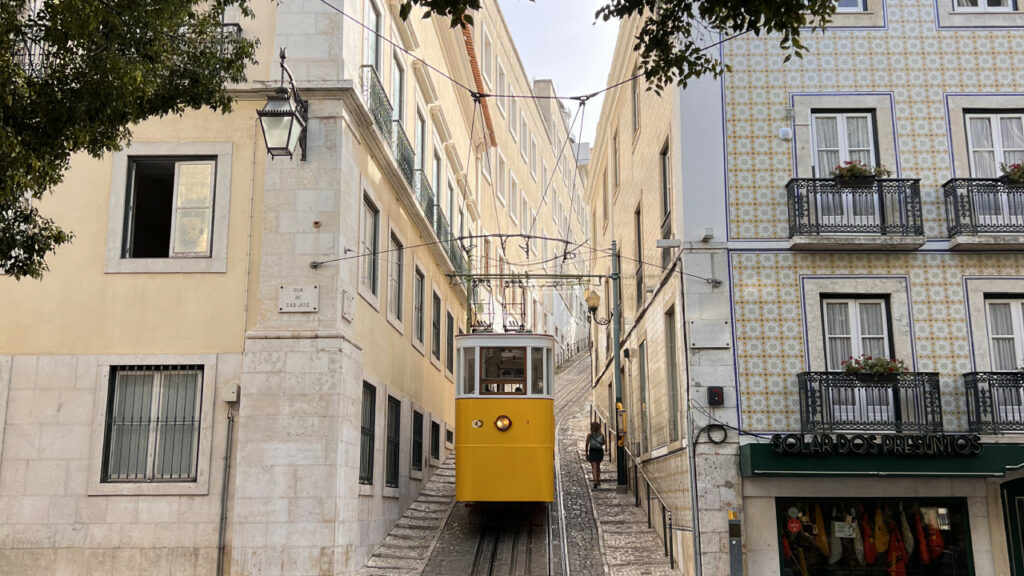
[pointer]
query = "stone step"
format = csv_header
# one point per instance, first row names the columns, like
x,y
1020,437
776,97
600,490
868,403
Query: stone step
x,y
402,552
379,571
430,500
418,534
395,541
424,514
438,507
395,563
418,523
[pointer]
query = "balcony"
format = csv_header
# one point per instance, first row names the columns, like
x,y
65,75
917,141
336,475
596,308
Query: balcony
x,y
404,154
827,214
376,100
901,403
995,401
427,200
984,212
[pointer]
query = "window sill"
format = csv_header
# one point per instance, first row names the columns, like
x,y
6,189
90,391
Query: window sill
x,y
416,474
148,489
370,299
366,489
391,492
418,345
866,19
856,242
946,18
206,265
397,324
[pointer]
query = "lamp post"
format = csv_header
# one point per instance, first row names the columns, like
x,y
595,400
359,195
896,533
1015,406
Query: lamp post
x,y
593,301
284,117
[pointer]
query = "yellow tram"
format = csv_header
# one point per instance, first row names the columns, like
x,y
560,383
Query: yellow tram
x,y
504,418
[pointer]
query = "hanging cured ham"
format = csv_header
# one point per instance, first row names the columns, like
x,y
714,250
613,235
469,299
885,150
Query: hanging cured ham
x,y
869,539
897,558
881,532
820,538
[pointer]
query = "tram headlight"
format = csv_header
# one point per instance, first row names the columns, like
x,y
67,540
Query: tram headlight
x,y
503,423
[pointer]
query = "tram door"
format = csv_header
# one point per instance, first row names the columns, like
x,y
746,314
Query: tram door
x,y
1013,514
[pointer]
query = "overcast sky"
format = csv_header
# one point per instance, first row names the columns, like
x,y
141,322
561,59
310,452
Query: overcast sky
x,y
558,39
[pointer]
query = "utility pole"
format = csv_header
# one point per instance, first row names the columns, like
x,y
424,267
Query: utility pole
x,y
620,445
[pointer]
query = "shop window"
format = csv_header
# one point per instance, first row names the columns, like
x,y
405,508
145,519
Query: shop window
x,y
867,537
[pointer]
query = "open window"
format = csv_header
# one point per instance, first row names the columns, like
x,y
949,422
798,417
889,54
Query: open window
x,y
169,208
856,326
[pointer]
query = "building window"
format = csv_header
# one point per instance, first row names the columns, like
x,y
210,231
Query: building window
x,y
369,248
672,369
524,135
983,5
1006,333
666,201
421,139
854,327
994,139
513,112
152,427
169,212
449,351
393,442
500,177
533,157
850,6
513,197
373,35
417,440
615,160
604,196
395,277
634,87
438,168
488,57
502,89
398,90
842,137
485,162
639,238
523,217
435,440
418,290
644,440
435,327
368,423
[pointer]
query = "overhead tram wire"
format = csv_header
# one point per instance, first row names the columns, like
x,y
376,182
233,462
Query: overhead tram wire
x,y
561,150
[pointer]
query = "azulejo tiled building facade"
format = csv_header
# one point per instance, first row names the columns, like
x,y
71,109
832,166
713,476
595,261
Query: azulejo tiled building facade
x,y
922,265
265,389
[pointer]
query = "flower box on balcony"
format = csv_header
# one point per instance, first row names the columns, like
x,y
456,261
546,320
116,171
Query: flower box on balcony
x,y
855,182
1005,180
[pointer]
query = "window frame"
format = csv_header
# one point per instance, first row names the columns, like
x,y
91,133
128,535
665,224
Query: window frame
x,y
368,430
524,135
153,442
513,198
502,80
374,33
856,338
983,8
393,443
513,116
398,88
861,7
501,178
436,310
449,339
371,291
416,464
212,379
998,150
843,149
120,183
435,442
419,329
1017,325
487,53
396,289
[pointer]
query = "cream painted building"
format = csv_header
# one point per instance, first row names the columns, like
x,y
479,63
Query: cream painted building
x,y
790,272
245,366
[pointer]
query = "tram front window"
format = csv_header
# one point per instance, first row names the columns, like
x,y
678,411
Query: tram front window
x,y
503,371
537,371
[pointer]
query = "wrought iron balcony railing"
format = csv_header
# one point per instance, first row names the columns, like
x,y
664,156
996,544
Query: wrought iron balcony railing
x,y
377,102
995,401
841,402
438,222
882,206
30,50
983,206
404,154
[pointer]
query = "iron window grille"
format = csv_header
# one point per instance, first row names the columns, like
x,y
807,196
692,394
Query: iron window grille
x,y
435,327
417,440
369,422
392,442
435,440
152,424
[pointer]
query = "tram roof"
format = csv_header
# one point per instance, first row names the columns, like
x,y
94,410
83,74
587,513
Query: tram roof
x,y
487,339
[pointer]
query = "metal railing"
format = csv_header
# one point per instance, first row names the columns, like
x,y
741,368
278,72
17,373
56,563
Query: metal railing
x,y
884,206
650,493
909,402
995,401
983,206
404,154
30,50
427,200
377,102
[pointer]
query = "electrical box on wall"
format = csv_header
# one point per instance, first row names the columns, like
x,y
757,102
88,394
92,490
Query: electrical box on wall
x,y
716,396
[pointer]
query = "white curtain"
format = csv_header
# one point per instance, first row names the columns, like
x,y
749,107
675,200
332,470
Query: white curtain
x,y
1012,132
983,149
858,139
837,328
872,329
826,133
1004,348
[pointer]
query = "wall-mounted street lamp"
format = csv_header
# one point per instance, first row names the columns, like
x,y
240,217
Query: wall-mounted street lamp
x,y
593,301
284,117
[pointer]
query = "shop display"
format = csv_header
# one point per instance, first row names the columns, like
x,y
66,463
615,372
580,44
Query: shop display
x,y
884,537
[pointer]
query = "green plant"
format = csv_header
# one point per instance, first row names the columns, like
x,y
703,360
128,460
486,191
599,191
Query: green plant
x,y
871,365
857,169
1014,172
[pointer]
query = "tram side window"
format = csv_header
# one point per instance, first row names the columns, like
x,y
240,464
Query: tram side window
x,y
537,370
502,370
469,370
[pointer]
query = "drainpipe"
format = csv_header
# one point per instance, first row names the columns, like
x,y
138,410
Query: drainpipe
x,y
224,493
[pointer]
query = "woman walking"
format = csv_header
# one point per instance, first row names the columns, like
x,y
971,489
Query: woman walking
x,y
595,451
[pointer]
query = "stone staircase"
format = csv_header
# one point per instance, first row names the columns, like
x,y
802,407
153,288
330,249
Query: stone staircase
x,y
406,549
629,547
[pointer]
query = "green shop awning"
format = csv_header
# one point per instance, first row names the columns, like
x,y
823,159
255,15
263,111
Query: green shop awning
x,y
993,461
